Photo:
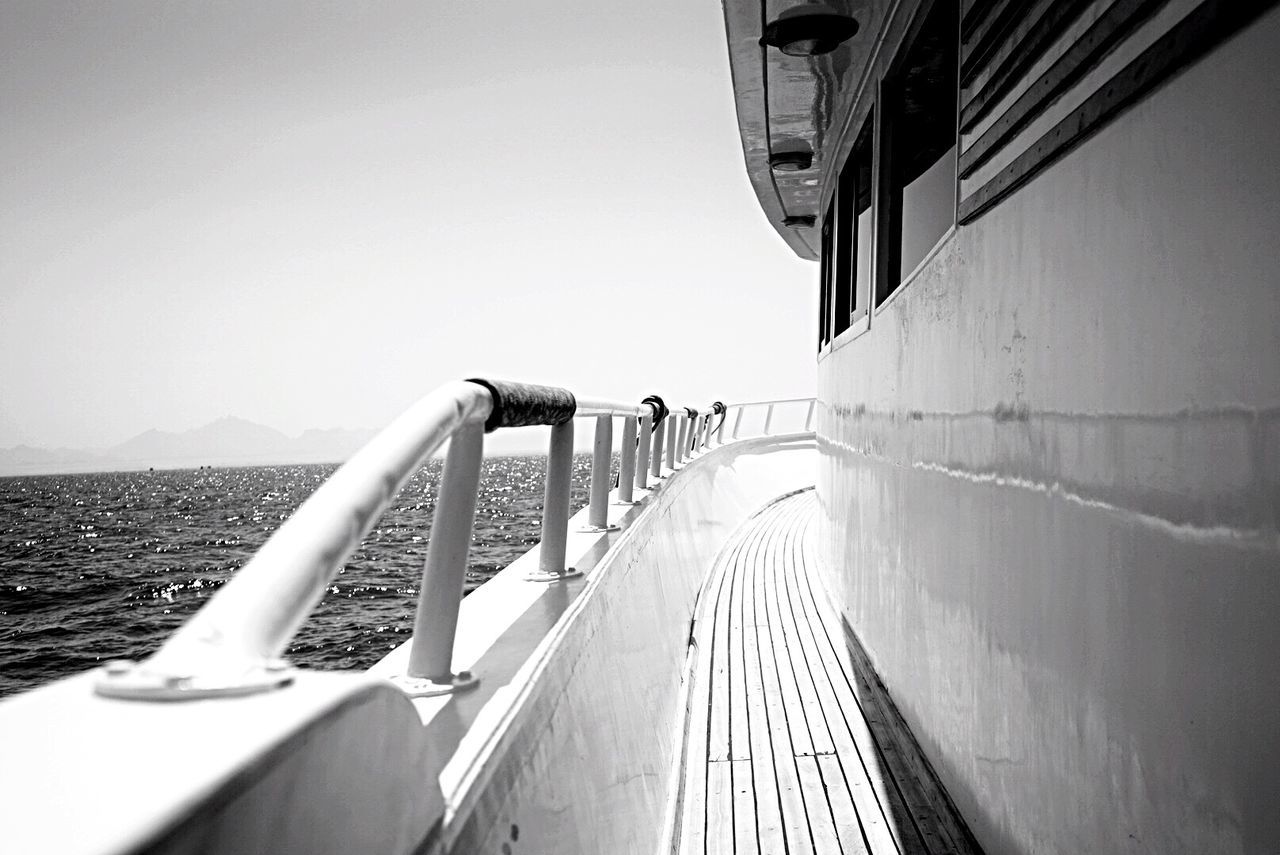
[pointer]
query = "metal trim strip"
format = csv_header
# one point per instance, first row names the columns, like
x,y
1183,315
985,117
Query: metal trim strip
x,y
1121,19
1025,43
987,38
1210,24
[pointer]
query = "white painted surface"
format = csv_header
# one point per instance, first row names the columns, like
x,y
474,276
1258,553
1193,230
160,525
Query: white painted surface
x,y
335,763
1051,478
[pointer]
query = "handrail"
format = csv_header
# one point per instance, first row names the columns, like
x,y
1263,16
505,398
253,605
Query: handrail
x,y
233,644
773,401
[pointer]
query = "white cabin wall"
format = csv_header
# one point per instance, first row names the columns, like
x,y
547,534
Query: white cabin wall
x,y
1052,484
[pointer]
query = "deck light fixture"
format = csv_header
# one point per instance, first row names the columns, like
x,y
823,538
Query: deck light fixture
x,y
809,29
799,221
790,161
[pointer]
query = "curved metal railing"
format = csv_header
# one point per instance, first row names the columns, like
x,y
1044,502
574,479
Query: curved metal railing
x,y
232,646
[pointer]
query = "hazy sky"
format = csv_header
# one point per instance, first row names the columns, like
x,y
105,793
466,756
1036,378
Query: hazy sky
x,y
308,215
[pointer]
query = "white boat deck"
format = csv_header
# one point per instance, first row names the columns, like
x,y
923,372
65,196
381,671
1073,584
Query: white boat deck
x,y
793,746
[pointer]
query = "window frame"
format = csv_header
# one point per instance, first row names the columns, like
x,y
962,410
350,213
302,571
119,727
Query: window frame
x,y
825,280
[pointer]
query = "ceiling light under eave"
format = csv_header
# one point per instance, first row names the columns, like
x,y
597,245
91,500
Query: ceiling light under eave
x,y
809,29
790,161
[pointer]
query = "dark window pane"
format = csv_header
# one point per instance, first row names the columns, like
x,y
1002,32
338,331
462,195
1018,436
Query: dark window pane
x,y
824,283
921,104
861,164
852,253
842,282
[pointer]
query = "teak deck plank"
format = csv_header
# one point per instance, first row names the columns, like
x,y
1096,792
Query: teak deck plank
x,y
697,754
718,733
800,700
797,806
928,812
768,808
857,778
792,820
739,746
719,816
795,749
878,811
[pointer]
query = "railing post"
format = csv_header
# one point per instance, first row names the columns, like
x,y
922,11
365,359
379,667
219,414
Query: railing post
x,y
695,435
673,442
430,670
808,418
598,510
682,444
555,507
627,464
737,422
706,439
768,419
659,438
642,453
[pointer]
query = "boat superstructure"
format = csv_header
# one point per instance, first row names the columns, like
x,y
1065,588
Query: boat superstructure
x,y
1049,382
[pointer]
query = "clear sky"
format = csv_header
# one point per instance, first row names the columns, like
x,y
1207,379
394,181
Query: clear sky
x,y
309,214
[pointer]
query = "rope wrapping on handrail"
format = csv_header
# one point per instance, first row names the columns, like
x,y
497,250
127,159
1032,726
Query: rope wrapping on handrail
x,y
660,410
718,408
525,404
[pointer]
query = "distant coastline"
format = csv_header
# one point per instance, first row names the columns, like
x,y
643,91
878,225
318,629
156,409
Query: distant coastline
x,y
228,441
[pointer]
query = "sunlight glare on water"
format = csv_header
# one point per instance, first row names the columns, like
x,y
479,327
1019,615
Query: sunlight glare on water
x,y
106,565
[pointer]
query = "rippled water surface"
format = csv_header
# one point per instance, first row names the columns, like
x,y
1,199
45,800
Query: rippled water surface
x,y
105,566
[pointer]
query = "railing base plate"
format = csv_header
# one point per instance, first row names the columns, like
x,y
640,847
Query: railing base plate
x,y
134,681
426,687
543,576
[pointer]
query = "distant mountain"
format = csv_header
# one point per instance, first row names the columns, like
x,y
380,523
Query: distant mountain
x,y
23,459
225,439
226,442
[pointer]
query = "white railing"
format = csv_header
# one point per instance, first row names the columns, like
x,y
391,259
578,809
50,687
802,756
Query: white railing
x,y
233,644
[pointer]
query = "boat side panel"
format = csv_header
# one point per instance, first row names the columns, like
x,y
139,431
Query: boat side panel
x,y
333,763
585,763
1052,484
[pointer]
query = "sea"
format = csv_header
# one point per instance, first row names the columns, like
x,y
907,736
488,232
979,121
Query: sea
x,y
104,566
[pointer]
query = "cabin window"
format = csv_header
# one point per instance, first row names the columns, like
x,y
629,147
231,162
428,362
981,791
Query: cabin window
x,y
853,232
919,144
842,251
825,278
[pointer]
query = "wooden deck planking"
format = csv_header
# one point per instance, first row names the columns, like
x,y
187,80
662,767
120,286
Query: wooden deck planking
x,y
860,779
791,762
718,733
846,825
739,748
925,817
768,808
804,713
793,818
719,816
879,812
697,750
